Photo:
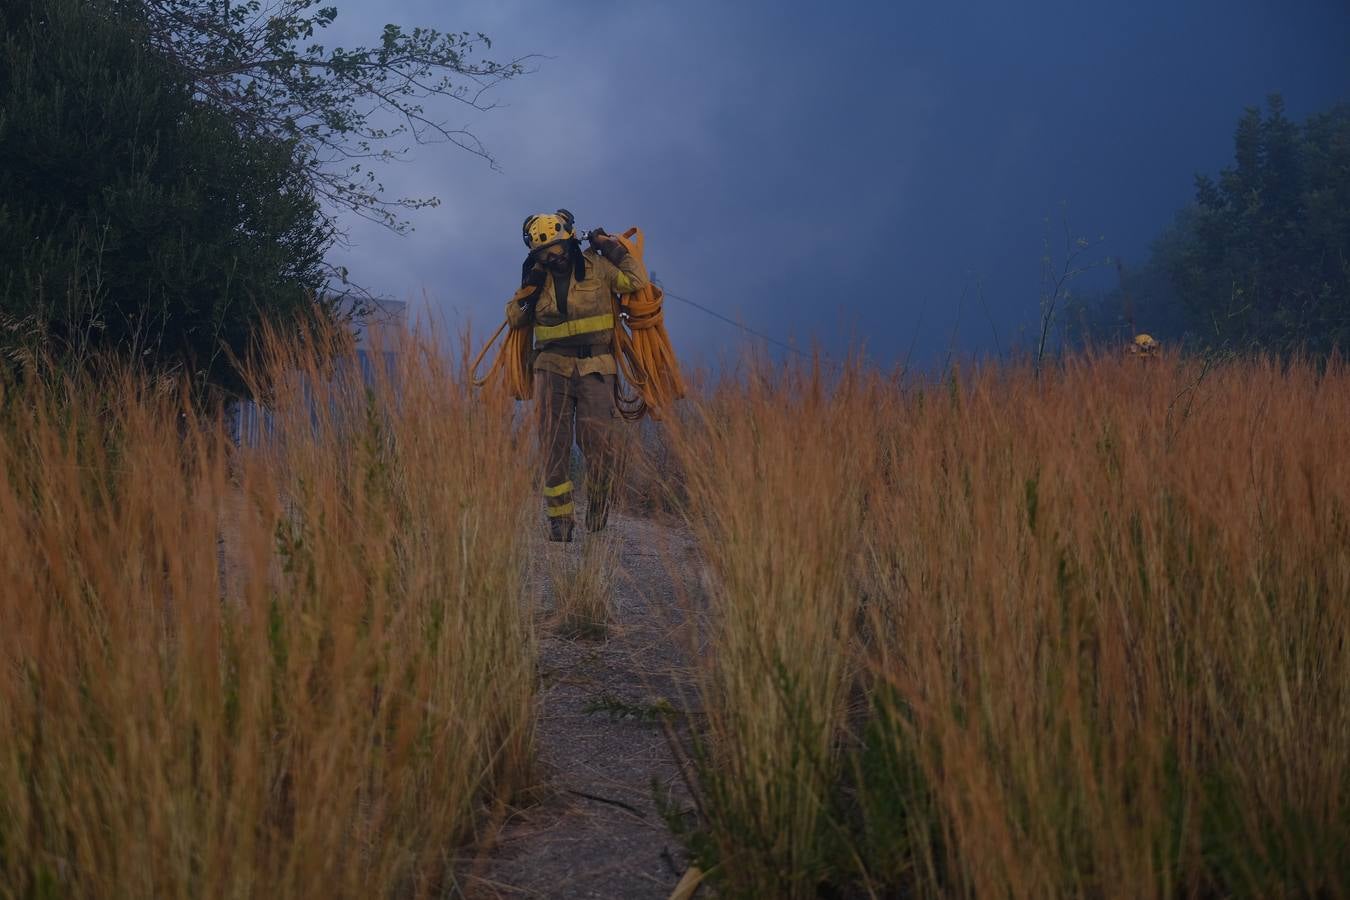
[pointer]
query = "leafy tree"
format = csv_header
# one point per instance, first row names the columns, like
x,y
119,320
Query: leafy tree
x,y
1261,259
134,219
171,171
1267,258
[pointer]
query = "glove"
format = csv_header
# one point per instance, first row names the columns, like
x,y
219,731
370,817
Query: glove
x,y
608,247
534,282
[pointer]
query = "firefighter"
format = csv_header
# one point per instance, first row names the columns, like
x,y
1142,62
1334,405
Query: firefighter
x,y
1144,346
572,310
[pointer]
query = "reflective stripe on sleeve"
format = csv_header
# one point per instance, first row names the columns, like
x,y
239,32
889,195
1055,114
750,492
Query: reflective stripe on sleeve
x,y
555,512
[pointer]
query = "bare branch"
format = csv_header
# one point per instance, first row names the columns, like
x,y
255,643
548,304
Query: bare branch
x,y
1054,284
260,63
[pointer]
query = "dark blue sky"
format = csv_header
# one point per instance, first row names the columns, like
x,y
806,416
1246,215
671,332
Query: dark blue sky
x,y
834,172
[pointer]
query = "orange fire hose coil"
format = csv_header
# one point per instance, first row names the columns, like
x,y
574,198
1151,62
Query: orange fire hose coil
x,y
513,360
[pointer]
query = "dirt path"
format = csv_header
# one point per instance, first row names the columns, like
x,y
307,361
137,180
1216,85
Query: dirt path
x,y
596,832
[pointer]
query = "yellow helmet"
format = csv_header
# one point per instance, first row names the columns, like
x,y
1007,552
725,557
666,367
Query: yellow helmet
x,y
1144,345
547,229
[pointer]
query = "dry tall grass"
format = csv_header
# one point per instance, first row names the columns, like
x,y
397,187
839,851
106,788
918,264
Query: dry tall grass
x,y
300,671
1096,625
581,577
772,474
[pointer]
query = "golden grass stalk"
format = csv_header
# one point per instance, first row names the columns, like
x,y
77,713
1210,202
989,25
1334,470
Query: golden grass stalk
x,y
293,671
582,576
772,474
1115,625
1100,620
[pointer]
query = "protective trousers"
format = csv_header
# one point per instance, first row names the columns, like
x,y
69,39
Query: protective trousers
x,y
580,406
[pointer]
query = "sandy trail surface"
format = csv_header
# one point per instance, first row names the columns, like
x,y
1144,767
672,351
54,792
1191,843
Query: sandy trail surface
x,y
595,830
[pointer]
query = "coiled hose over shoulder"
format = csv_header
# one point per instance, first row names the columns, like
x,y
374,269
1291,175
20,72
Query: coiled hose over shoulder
x,y
642,349
513,360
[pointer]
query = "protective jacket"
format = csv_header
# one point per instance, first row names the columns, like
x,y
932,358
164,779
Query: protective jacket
x,y
574,320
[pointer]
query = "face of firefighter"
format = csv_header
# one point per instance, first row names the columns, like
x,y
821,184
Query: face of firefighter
x,y
555,258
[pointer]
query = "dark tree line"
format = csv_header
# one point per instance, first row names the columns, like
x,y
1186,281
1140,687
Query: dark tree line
x,y
1260,260
170,172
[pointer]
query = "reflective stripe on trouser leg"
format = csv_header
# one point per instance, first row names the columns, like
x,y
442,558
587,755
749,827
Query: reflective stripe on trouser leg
x,y
556,412
558,500
557,490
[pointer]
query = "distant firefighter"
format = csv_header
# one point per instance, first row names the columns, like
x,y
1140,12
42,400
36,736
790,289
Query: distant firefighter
x,y
1144,345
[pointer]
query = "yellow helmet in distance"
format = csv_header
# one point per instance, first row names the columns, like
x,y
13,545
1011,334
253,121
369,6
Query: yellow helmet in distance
x,y
546,229
1144,345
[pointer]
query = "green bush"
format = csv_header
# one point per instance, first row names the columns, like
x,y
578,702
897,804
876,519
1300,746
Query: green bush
x,y
134,219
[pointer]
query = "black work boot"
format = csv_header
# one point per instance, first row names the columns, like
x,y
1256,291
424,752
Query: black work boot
x,y
560,530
